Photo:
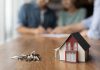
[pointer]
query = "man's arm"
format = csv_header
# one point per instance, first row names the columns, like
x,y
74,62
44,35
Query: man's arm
x,y
25,30
94,31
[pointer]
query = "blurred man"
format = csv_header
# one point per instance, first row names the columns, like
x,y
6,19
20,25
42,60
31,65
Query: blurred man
x,y
91,26
36,18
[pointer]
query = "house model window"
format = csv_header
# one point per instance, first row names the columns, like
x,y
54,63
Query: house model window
x,y
71,56
75,46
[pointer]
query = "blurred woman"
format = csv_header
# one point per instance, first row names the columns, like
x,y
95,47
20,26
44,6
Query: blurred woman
x,y
72,13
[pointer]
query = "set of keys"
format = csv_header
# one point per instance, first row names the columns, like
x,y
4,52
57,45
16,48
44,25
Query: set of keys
x,y
28,58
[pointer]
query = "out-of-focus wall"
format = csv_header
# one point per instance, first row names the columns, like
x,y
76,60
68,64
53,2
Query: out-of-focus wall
x,y
12,7
8,18
2,20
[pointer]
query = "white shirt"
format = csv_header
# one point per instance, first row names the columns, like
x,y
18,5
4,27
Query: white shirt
x,y
93,23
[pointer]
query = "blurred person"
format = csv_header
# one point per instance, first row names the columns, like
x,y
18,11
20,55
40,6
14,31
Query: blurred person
x,y
36,18
89,27
72,13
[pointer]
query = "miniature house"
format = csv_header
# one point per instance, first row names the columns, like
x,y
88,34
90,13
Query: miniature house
x,y
74,49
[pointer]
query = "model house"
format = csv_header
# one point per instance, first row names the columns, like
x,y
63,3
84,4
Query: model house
x,y
74,49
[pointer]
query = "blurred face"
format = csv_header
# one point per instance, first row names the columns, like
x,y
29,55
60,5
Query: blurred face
x,y
42,3
67,4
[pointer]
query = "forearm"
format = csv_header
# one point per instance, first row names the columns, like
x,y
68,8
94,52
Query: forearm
x,y
74,28
24,30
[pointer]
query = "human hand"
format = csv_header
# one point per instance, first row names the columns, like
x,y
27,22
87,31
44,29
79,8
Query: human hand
x,y
39,30
58,30
49,30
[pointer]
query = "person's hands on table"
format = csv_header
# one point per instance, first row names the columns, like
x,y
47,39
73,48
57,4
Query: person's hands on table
x,y
49,30
58,30
39,30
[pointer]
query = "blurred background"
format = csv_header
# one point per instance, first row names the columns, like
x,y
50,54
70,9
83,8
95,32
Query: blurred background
x,y
9,15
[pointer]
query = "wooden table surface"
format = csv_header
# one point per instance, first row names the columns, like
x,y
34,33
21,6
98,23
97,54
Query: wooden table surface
x,y
45,47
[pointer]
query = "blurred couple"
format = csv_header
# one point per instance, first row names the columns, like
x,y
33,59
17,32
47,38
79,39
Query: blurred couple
x,y
38,18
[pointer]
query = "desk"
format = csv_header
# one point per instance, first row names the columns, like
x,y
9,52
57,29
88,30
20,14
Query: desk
x,y
45,47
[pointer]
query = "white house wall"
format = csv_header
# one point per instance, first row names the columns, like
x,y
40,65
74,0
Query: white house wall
x,y
62,52
81,54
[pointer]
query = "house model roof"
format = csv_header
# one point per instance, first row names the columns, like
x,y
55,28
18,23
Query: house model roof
x,y
80,40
